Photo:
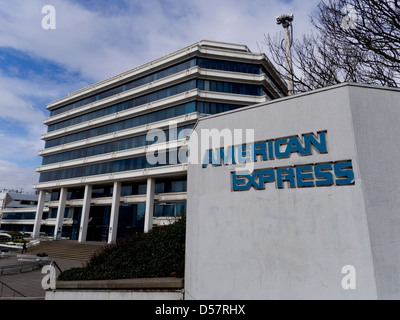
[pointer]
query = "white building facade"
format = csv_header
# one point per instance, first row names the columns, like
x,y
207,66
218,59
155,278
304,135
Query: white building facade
x,y
96,164
18,211
308,208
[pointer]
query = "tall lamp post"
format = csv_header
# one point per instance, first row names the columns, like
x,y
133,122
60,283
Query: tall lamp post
x,y
286,21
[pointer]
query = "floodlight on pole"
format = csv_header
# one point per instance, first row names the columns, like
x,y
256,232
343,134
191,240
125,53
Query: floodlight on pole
x,y
286,21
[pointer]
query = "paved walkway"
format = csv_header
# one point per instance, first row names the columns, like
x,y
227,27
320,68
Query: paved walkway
x,y
30,283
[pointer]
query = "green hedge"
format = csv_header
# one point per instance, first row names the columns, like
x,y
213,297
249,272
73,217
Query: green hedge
x,y
159,253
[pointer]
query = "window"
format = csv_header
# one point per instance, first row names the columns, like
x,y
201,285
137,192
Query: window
x,y
121,125
55,195
107,167
229,66
127,86
75,193
114,146
170,209
228,87
102,192
128,189
171,185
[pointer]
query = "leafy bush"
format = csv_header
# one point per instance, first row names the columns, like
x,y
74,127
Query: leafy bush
x,y
15,233
42,254
20,241
159,253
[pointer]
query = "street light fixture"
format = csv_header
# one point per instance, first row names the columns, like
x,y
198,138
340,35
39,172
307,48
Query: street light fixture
x,y
286,21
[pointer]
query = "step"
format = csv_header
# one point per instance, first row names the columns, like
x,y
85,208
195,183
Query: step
x,y
67,249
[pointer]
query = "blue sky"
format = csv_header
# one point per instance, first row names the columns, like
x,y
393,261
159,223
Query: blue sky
x,y
97,39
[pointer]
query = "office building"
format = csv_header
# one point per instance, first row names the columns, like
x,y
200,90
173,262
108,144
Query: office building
x,y
96,159
18,210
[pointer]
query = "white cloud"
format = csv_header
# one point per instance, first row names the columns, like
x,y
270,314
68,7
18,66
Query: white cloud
x,y
94,45
14,104
100,45
14,177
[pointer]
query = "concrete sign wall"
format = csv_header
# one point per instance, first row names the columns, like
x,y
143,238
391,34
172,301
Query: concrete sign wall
x,y
316,216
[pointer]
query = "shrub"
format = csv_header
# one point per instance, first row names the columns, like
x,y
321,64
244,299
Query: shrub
x,y
15,233
159,253
5,250
19,241
42,254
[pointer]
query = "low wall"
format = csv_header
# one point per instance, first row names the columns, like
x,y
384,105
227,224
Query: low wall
x,y
127,289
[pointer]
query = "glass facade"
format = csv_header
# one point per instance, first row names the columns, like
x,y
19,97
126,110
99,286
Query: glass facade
x,y
204,63
127,86
229,66
55,195
194,106
125,124
129,104
51,214
206,85
130,220
125,144
99,222
170,185
235,67
132,215
19,216
170,209
109,167
18,227
231,87
102,192
129,189
75,193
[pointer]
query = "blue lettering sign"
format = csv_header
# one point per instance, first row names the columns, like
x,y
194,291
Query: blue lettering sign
x,y
312,175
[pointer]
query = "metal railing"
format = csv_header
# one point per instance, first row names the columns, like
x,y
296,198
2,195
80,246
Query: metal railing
x,y
14,292
18,268
54,264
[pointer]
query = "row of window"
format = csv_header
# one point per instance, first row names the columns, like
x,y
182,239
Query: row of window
x,y
127,86
187,108
137,163
127,189
157,95
18,227
201,62
235,67
170,209
230,87
125,124
215,86
130,221
232,66
114,146
19,216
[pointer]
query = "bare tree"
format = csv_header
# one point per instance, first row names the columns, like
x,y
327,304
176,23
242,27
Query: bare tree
x,y
353,41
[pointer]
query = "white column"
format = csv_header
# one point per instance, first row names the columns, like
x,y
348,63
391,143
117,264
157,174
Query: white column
x,y
85,214
112,232
60,213
148,218
39,214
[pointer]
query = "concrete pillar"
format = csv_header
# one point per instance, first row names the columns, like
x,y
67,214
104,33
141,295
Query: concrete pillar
x,y
60,213
148,218
112,232
85,214
39,214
